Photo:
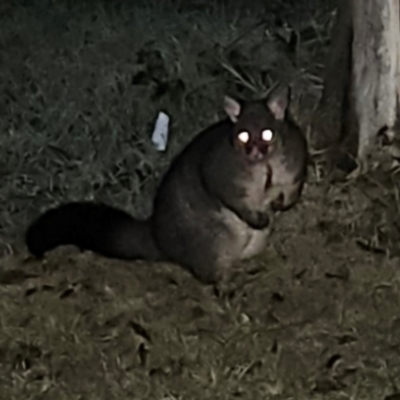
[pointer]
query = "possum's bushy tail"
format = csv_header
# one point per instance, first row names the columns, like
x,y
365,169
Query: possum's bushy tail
x,y
97,227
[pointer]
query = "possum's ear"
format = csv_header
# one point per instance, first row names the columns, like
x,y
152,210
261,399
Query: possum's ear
x,y
278,102
232,108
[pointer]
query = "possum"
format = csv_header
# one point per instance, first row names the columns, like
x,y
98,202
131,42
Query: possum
x,y
212,207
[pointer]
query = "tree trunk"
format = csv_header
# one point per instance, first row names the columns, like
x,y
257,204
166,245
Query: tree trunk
x,y
362,81
329,121
376,72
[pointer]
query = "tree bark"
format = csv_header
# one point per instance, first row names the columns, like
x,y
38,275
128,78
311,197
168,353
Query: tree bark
x,y
376,72
362,80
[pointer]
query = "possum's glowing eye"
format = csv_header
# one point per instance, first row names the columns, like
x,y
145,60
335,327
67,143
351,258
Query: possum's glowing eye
x,y
267,135
244,136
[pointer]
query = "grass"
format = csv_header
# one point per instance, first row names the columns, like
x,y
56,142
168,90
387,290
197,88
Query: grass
x,y
81,85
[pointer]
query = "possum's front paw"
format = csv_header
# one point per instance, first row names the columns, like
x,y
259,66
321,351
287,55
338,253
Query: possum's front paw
x,y
257,219
278,204
262,221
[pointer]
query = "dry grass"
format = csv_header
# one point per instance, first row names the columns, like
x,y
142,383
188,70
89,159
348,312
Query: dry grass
x,y
81,86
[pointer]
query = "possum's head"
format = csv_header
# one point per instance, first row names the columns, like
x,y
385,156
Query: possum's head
x,y
257,123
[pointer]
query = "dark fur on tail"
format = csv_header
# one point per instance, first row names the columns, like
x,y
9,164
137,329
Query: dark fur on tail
x,y
96,227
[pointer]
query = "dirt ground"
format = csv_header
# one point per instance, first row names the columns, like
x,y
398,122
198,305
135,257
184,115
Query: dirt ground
x,y
81,86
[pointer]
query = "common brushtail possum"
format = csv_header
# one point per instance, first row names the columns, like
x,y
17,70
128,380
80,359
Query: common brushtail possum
x,y
212,206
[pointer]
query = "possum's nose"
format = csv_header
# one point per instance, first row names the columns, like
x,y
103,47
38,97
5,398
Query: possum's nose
x,y
255,154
